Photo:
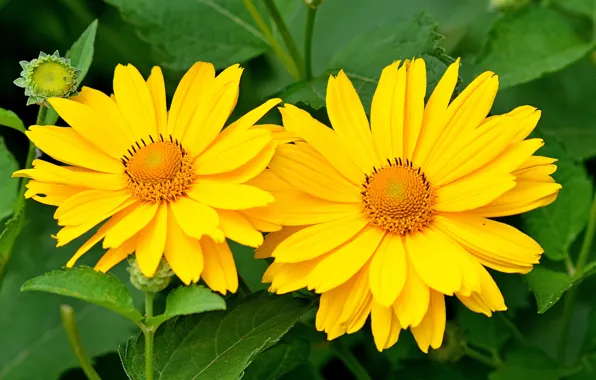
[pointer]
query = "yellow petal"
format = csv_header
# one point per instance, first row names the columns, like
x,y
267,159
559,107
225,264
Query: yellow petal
x,y
66,145
220,271
358,301
414,105
232,152
412,303
488,299
349,122
157,88
431,258
473,191
388,270
432,328
135,102
287,278
192,92
434,120
89,205
114,256
385,326
130,224
236,227
250,118
152,242
312,173
322,139
250,169
53,194
88,124
514,156
273,239
183,253
195,218
342,263
228,196
316,240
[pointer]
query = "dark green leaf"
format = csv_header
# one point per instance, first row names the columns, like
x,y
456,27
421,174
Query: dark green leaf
x,y
527,44
220,32
11,120
556,226
218,345
88,285
186,300
10,232
588,370
81,52
8,186
278,360
583,7
526,363
549,285
34,345
481,331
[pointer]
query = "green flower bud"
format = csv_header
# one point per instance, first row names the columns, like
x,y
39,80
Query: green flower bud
x,y
453,347
313,3
48,76
158,282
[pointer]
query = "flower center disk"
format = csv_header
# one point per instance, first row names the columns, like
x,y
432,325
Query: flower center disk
x,y
398,198
159,171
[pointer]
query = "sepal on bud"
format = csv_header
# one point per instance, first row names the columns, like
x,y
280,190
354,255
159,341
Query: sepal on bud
x,y
157,283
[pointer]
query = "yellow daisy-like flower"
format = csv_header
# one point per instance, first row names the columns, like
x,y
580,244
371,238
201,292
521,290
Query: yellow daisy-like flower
x,y
386,219
168,183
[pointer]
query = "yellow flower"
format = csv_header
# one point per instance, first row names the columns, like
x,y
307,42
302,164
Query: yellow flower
x,y
389,218
168,183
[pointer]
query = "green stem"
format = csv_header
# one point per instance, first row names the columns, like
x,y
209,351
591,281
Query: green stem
x,y
570,297
41,120
517,334
149,333
278,50
72,332
344,354
286,36
308,33
482,358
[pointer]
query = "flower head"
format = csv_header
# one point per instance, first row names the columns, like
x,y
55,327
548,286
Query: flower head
x,y
387,218
166,183
46,77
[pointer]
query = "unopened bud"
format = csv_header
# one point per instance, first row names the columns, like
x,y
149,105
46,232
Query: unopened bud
x,y
154,284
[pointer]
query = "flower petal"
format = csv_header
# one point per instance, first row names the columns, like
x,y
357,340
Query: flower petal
x,y
251,118
130,224
183,253
220,271
157,88
152,242
388,271
236,227
385,326
473,191
414,105
250,169
412,304
228,196
114,256
89,205
432,328
195,218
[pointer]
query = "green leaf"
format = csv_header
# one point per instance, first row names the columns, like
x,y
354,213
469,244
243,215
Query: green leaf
x,y
220,32
582,7
278,360
34,345
526,363
88,285
557,225
11,120
81,52
81,56
8,186
549,285
364,58
527,44
186,300
218,345
482,331
11,231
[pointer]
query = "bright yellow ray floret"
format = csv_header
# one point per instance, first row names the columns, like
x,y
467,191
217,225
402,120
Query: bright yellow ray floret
x,y
164,183
385,218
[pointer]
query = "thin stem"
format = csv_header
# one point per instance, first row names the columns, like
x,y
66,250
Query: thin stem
x,y
278,50
517,334
350,361
570,297
308,33
285,35
72,332
482,358
149,333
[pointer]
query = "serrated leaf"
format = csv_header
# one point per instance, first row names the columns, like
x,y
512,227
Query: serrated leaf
x,y
526,363
278,360
364,58
8,186
11,120
88,285
34,345
220,32
557,225
186,300
218,345
529,43
549,285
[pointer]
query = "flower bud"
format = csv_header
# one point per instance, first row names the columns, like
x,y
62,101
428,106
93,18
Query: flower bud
x,y
47,76
157,283
313,3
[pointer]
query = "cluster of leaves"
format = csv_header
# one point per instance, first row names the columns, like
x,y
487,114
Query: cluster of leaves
x,y
542,53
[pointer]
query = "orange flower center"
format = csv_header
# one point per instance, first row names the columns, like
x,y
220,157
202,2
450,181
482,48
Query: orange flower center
x,y
158,171
398,198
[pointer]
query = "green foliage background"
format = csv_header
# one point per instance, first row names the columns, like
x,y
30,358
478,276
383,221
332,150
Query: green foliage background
x,y
543,52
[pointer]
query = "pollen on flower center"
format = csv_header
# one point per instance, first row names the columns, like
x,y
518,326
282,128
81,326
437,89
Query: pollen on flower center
x,y
398,198
158,171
